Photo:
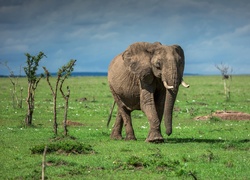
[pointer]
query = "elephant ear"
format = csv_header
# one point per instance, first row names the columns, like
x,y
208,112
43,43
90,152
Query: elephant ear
x,y
180,51
137,58
181,63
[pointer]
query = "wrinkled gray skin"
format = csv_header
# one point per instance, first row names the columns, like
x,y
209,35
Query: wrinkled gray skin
x,y
146,76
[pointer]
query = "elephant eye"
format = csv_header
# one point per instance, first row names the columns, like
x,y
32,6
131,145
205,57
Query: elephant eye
x,y
158,65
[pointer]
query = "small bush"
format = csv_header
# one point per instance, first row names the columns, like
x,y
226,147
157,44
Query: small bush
x,y
152,162
67,147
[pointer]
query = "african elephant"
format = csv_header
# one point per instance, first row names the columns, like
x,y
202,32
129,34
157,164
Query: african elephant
x,y
146,76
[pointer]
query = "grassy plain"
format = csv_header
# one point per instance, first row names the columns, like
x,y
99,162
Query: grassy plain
x,y
210,149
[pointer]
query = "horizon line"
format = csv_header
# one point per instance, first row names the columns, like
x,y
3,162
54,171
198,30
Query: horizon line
x,y
93,73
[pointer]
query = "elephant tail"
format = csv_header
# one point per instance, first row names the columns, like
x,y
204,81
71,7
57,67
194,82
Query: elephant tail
x,y
110,114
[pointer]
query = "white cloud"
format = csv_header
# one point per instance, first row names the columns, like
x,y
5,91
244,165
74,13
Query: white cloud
x,y
243,30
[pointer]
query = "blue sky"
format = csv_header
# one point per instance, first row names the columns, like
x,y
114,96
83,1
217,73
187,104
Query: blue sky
x,y
94,31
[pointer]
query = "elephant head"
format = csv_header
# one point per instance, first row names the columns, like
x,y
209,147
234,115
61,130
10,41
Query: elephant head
x,y
154,60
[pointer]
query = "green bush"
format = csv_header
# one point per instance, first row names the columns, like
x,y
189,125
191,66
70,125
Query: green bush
x,y
67,147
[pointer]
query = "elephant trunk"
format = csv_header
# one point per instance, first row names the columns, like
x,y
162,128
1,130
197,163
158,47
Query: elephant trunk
x,y
171,93
168,109
171,81
172,85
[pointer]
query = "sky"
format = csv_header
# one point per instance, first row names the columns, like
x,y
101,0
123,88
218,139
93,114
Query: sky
x,y
93,32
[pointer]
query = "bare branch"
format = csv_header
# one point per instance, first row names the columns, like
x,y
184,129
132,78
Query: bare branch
x,y
226,71
44,162
16,99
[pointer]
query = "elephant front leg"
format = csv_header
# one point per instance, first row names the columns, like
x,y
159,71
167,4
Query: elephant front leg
x,y
117,129
148,107
154,134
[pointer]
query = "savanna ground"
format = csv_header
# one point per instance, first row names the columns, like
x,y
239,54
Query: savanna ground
x,y
197,149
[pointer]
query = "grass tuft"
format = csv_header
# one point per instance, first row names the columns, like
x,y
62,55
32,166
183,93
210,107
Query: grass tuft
x,y
214,119
63,147
153,163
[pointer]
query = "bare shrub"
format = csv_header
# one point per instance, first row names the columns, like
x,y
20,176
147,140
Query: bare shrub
x,y
63,73
226,72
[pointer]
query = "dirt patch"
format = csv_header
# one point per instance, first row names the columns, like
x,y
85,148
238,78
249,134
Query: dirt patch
x,y
226,115
74,123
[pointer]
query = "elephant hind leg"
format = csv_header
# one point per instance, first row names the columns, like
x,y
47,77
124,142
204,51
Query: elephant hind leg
x,y
123,117
117,128
126,116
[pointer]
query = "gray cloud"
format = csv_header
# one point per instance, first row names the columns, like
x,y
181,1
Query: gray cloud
x,y
94,31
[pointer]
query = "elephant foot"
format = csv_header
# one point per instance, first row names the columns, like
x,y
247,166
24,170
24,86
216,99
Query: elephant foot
x,y
116,136
155,138
130,137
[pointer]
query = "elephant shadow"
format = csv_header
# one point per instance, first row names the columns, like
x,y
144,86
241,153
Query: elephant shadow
x,y
209,141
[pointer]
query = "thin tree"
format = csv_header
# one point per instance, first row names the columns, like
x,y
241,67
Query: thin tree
x,y
226,72
54,93
62,74
67,72
33,80
17,99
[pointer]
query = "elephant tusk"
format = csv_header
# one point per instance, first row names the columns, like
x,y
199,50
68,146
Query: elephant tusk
x,y
167,86
184,84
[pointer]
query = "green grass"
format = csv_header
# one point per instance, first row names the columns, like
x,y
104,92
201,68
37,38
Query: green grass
x,y
211,149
